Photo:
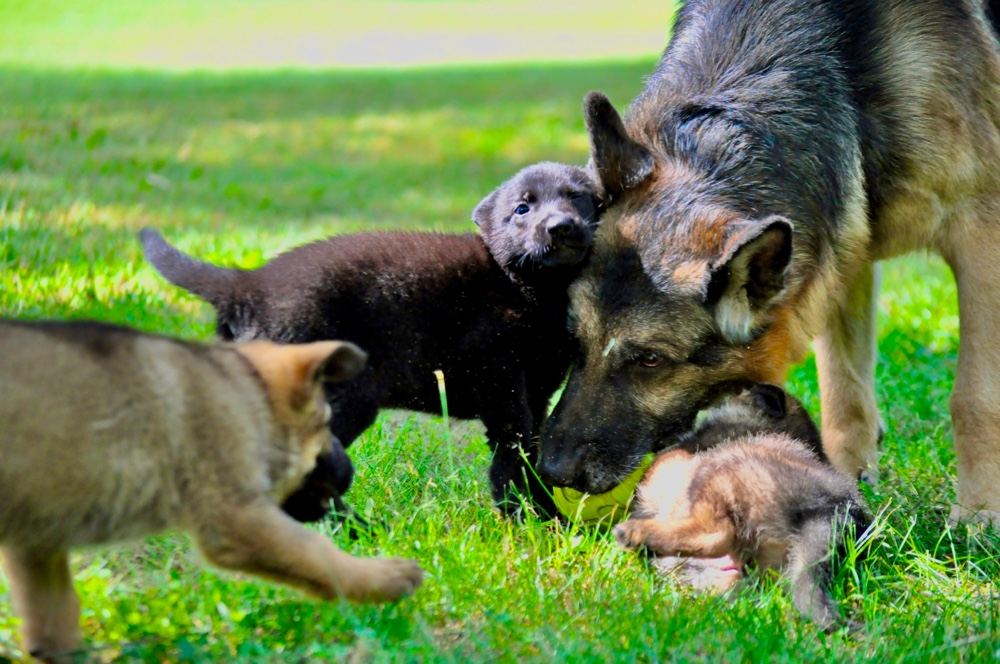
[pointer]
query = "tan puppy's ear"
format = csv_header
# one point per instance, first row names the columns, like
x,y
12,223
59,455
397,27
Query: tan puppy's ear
x,y
292,373
343,362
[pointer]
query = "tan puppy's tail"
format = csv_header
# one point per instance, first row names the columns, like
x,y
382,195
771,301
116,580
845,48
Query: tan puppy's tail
x,y
810,566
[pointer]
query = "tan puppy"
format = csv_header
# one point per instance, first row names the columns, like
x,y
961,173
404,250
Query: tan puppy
x,y
744,489
108,434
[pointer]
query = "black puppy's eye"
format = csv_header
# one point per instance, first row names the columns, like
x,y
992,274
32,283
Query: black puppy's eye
x,y
522,209
650,360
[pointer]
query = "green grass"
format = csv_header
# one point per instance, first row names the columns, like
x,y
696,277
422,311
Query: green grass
x,y
236,166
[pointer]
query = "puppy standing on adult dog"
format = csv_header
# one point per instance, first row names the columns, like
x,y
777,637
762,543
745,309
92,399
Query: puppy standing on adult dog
x,y
490,312
749,486
778,151
108,434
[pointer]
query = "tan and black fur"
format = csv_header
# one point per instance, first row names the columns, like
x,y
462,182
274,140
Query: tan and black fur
x,y
781,149
108,434
744,489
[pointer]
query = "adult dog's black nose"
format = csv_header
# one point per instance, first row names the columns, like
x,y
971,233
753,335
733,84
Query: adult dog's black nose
x,y
560,465
562,228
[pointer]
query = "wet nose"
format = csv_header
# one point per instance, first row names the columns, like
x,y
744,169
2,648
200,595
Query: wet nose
x,y
559,465
561,228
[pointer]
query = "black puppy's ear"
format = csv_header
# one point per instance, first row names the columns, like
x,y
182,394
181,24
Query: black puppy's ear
x,y
484,211
618,162
770,399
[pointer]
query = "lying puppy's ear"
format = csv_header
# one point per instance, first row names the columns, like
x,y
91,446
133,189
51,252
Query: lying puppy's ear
x,y
770,399
483,213
617,161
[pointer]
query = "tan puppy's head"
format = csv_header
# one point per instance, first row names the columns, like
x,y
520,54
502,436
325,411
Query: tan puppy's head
x,y
293,376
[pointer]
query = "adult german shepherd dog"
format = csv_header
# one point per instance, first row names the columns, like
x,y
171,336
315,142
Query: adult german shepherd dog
x,y
779,150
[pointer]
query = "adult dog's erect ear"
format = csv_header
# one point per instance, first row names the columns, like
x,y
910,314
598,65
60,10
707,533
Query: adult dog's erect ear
x,y
749,274
618,162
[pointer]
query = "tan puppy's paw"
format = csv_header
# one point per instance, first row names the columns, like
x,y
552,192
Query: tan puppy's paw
x,y
386,580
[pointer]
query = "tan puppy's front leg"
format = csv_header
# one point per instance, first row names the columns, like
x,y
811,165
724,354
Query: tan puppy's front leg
x,y
845,360
262,540
678,537
975,400
41,585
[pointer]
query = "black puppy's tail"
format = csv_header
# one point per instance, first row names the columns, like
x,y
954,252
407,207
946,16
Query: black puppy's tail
x,y
209,282
810,566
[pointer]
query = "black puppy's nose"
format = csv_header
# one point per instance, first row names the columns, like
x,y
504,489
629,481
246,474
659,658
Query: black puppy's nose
x,y
561,228
340,467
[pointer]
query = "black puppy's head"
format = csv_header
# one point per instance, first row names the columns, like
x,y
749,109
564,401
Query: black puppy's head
x,y
543,217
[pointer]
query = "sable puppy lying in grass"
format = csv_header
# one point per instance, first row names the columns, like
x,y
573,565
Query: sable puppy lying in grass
x,y
489,311
749,486
109,434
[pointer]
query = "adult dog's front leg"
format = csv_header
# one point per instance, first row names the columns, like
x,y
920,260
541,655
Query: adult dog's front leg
x,y
975,400
845,359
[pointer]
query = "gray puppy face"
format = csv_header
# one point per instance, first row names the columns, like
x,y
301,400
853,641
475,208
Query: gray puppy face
x,y
543,217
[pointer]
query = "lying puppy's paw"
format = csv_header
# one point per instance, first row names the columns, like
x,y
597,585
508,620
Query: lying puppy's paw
x,y
629,535
386,580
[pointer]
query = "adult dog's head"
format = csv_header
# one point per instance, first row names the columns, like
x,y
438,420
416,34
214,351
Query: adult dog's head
x,y
682,301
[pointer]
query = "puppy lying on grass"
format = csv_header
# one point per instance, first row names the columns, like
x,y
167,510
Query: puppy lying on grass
x,y
749,485
489,311
108,434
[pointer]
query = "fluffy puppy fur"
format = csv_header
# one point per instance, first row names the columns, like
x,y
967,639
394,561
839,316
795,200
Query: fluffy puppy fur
x,y
744,489
110,434
489,311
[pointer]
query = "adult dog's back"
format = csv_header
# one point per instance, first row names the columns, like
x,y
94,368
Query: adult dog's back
x,y
779,150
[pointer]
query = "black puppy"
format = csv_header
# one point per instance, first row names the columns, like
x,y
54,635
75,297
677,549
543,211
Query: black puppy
x,y
489,311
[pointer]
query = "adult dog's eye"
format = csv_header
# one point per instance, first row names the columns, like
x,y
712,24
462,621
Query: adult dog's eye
x,y
650,360
522,209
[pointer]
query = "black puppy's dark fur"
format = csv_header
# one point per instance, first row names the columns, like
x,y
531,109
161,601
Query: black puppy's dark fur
x,y
495,324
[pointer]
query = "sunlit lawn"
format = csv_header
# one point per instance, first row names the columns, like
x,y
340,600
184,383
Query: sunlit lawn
x,y
236,165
